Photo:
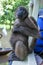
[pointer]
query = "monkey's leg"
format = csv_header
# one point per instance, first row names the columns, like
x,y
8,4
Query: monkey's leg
x,y
20,50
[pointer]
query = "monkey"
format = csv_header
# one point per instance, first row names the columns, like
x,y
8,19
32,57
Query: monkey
x,y
24,26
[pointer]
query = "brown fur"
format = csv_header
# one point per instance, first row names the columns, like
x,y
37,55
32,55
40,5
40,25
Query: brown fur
x,y
19,39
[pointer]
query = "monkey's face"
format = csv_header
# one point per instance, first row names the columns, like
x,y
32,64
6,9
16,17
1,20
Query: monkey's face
x,y
21,13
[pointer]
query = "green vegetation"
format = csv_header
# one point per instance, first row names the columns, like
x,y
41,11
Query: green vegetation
x,y
7,10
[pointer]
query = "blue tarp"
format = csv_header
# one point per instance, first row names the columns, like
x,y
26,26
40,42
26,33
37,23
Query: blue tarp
x,y
39,42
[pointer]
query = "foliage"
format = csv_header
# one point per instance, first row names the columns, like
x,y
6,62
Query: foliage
x,y
9,8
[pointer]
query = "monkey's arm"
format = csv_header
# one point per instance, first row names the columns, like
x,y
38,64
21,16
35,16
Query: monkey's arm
x,y
31,22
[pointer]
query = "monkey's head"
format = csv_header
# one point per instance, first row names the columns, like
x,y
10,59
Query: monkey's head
x,y
21,13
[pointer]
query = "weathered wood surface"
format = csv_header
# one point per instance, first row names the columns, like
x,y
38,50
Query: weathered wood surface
x,y
29,61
